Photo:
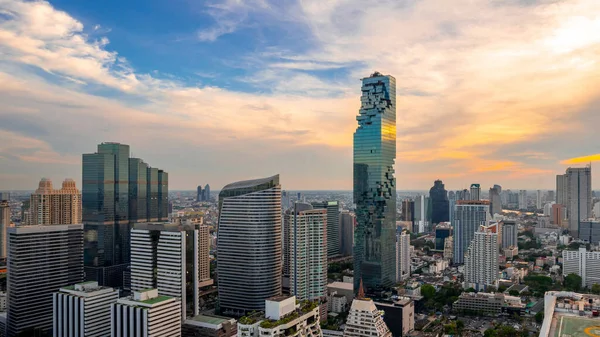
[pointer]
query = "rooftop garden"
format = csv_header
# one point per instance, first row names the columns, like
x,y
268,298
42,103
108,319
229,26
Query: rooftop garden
x,y
305,307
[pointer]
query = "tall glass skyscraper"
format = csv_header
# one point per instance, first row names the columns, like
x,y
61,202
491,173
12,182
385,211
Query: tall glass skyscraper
x,y
375,185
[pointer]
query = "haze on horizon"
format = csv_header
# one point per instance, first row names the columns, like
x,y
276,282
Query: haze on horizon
x,y
489,92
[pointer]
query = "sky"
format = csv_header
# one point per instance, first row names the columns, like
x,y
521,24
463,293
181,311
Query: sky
x,y
488,91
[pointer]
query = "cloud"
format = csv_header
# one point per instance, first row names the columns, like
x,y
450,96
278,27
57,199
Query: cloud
x,y
581,160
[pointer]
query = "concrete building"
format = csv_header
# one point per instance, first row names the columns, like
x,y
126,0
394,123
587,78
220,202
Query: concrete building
x,y
375,184
166,256
4,224
495,200
468,217
557,217
488,303
589,231
283,317
209,326
249,245
511,252
83,310
575,189
333,225
48,206
41,260
583,263
422,214
522,199
398,316
365,320
199,193
510,232
481,260
348,221
596,210
449,249
561,189
403,256
146,314
204,238
475,192
337,303
342,288
539,199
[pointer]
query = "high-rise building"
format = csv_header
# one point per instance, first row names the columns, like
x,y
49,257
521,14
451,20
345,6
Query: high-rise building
x,y
307,251
589,231
399,316
523,199
539,200
442,232
495,200
561,189
558,214
83,309
41,260
48,206
550,196
583,263
509,233
347,221
513,200
199,193
596,210
451,203
579,197
333,225
4,224
422,214
285,200
204,256
475,192
206,193
167,257
439,203
408,210
365,319
146,314
449,249
548,208
402,256
249,245
117,192
468,216
374,183
463,195
481,259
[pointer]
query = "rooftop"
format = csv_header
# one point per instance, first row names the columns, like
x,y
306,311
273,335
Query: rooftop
x,y
155,300
341,285
251,183
210,319
278,298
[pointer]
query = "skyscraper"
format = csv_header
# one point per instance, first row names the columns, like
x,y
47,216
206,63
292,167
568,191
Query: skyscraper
x,y
48,206
495,200
117,192
308,252
523,199
41,260
374,183
347,221
408,210
422,214
4,224
199,193
364,319
475,192
561,189
333,225
249,245
579,197
509,234
439,203
206,193
468,216
481,259
538,201
403,256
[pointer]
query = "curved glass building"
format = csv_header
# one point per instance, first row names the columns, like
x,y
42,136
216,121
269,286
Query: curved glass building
x,y
249,245
375,185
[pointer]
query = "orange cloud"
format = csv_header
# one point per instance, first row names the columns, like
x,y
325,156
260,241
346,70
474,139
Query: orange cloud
x,y
581,160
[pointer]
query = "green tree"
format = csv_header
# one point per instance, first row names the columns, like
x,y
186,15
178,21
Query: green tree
x,y
513,293
491,289
471,290
539,317
428,291
596,289
573,282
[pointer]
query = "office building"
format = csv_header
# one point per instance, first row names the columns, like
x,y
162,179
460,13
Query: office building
x,y
374,183
468,216
589,231
439,203
495,200
488,304
307,251
199,193
451,203
402,256
561,189
283,317
167,257
422,214
463,195
204,238
48,206
398,316
548,208
4,224
117,191
558,214
347,221
583,263
442,232
475,192
333,225
365,319
408,210
509,233
209,326
522,199
249,245
285,200
481,259
146,314
539,199
579,197
82,310
41,260
206,193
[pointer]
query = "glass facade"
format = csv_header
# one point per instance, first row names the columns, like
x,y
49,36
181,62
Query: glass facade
x,y
375,185
137,190
152,194
163,195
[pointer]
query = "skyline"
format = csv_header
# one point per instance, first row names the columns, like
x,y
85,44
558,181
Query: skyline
x,y
212,92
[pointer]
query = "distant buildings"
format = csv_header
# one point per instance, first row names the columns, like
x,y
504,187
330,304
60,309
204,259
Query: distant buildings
x,y
206,193
557,215
55,207
41,260
422,214
583,263
439,203
374,183
488,304
481,259
83,309
117,192
523,199
4,224
333,225
539,200
579,197
402,256
495,200
589,231
475,192
199,193
249,246
147,314
468,216
442,232
509,233
347,221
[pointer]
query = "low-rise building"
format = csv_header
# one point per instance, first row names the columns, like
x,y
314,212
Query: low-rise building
x,y
283,317
209,326
511,252
365,320
399,316
488,303
337,303
342,288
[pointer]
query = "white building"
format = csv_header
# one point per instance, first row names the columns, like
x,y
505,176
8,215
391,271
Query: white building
x,y
583,263
468,216
522,199
421,211
448,248
481,260
548,208
337,303
83,310
146,314
402,256
283,317
365,320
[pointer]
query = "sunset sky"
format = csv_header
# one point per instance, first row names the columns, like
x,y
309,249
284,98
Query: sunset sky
x,y
489,91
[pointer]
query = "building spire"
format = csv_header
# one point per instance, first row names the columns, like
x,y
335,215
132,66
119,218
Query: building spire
x,y
361,291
